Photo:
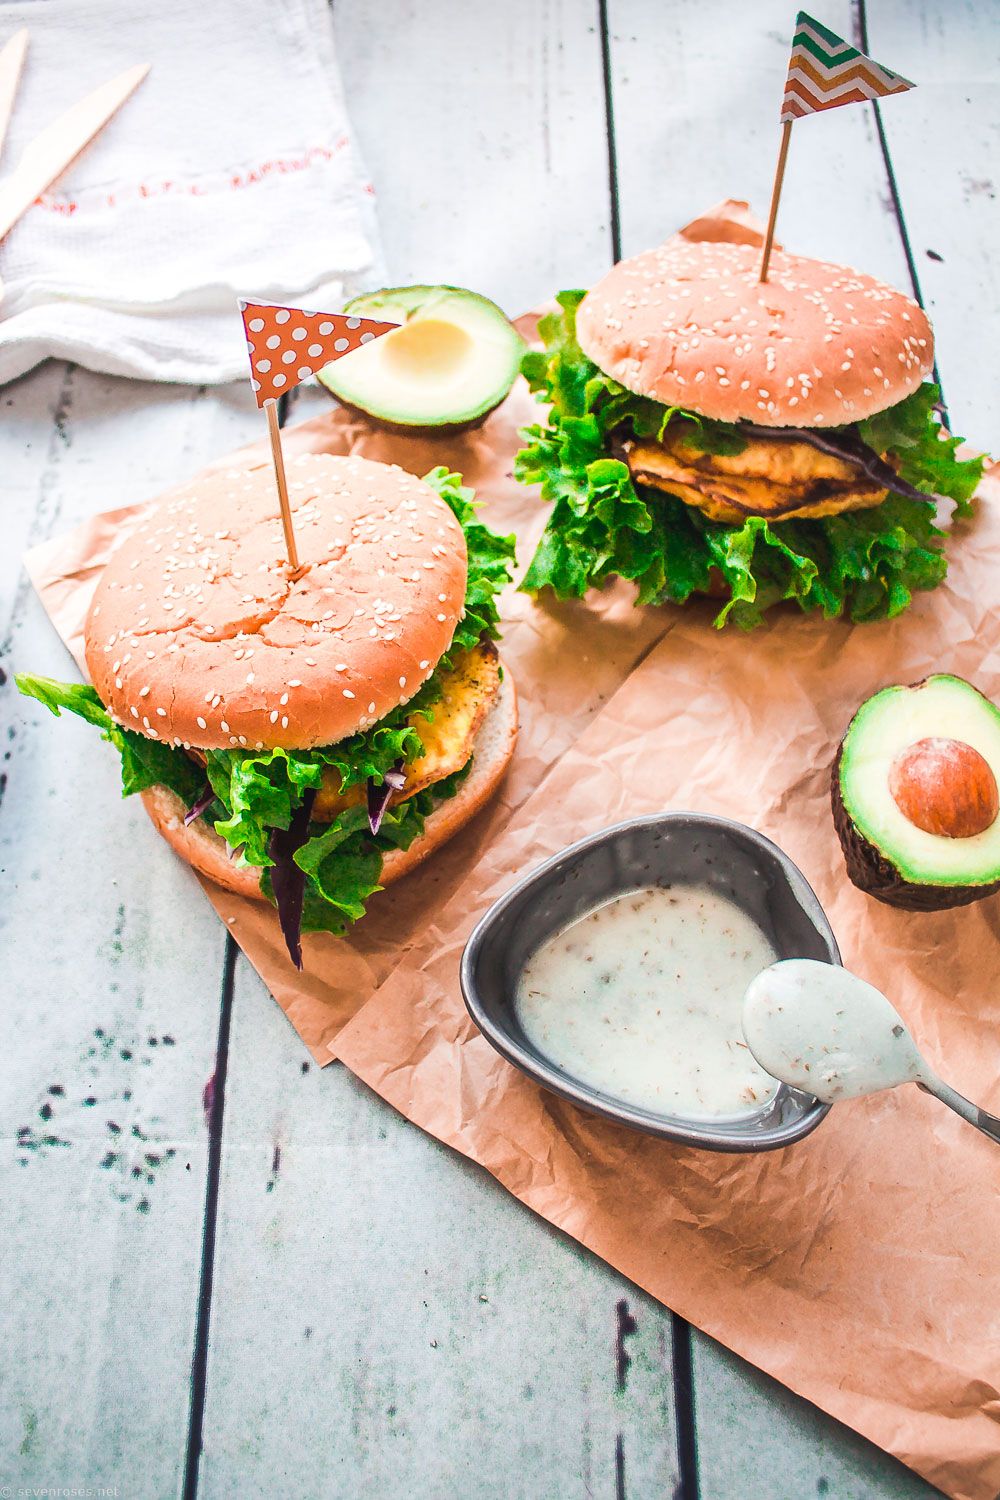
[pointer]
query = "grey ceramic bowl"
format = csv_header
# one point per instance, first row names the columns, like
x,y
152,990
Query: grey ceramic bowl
x,y
691,848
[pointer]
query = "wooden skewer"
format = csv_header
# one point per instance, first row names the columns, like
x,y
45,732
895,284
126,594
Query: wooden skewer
x,y
11,62
274,432
779,177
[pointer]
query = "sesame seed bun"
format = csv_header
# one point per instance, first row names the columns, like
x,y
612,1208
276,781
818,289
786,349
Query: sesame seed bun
x,y
816,345
202,847
198,637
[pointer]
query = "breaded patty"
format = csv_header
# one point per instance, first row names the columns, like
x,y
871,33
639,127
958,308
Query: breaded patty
x,y
775,478
448,734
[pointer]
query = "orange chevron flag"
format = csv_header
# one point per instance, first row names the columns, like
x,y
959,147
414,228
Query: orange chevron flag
x,y
288,344
825,71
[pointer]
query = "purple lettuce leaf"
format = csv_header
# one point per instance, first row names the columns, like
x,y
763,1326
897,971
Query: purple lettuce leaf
x,y
287,880
203,803
844,444
380,794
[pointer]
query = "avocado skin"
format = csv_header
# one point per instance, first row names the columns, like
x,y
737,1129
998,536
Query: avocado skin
x,y
872,873
415,429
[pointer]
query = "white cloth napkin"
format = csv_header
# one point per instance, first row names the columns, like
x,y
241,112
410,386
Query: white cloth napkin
x,y
231,171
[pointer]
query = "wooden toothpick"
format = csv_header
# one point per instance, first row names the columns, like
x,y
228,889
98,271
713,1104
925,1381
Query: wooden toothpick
x,y
779,177
274,432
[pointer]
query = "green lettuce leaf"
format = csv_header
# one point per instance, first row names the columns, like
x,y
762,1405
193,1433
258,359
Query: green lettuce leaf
x,y
343,861
925,451
145,762
865,564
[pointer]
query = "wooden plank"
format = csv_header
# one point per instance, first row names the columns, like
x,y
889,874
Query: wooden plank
x,y
696,100
111,969
442,1342
756,1438
482,126
944,141
386,1323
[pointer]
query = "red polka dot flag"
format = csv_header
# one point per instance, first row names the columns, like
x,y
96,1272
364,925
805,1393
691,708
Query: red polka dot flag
x,y
288,344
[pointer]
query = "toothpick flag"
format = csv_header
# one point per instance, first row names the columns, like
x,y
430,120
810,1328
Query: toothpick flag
x,y
287,345
824,71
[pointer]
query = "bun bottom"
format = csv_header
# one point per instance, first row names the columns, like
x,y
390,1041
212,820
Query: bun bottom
x,y
494,745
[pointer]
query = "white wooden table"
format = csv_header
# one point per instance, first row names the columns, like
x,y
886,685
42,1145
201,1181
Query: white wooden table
x,y
304,1295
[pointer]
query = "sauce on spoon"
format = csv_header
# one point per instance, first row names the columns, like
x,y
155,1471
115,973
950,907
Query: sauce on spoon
x,y
824,1030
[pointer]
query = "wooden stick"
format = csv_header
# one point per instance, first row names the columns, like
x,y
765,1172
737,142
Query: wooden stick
x,y
274,432
779,177
11,63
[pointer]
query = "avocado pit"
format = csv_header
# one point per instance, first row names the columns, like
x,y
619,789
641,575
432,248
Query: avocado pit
x,y
945,787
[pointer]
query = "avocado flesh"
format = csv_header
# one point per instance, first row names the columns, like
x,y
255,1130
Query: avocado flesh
x,y
452,361
887,855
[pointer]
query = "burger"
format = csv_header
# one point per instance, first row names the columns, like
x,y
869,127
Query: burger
x,y
711,434
303,740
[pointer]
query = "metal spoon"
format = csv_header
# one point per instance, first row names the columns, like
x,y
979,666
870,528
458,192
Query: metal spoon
x,y
822,1029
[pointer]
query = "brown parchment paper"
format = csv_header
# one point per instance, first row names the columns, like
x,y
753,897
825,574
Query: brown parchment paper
x,y
860,1267
566,662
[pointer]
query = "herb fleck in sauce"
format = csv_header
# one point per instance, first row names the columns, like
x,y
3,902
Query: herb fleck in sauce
x,y
642,998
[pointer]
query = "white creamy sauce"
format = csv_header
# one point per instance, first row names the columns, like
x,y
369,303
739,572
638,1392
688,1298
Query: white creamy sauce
x,y
824,1030
642,998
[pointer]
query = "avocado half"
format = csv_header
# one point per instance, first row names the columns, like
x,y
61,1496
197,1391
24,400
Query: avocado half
x,y
450,363
933,749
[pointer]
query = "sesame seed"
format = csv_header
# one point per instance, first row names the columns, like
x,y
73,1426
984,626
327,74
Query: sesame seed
x,y
284,721
274,716
348,693
162,713
201,723
144,691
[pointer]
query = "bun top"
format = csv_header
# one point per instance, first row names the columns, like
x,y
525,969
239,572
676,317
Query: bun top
x,y
196,635
816,345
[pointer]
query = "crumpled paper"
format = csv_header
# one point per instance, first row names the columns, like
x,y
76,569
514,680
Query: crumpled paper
x,y
858,1267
